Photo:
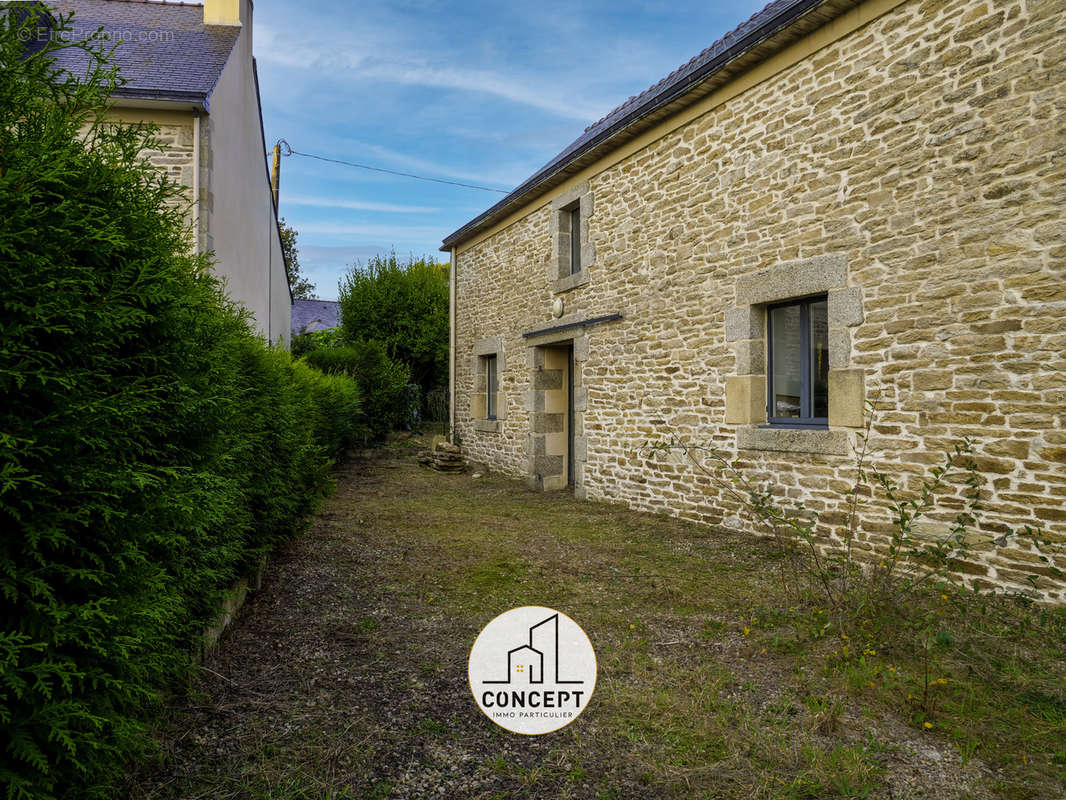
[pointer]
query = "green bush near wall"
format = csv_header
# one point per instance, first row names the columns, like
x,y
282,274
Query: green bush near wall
x,y
152,448
383,382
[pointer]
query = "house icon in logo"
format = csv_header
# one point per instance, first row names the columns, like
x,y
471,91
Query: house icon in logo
x,y
527,662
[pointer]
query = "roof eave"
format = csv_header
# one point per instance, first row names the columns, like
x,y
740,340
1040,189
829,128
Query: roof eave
x,y
162,98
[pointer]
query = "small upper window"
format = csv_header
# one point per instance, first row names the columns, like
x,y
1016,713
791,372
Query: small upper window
x,y
572,250
491,387
798,363
574,213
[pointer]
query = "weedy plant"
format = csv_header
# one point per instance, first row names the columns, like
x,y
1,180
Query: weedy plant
x,y
862,574
875,593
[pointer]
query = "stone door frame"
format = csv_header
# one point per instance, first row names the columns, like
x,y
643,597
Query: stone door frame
x,y
546,403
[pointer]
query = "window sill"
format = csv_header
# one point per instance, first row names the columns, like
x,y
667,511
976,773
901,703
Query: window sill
x,y
487,425
808,440
561,285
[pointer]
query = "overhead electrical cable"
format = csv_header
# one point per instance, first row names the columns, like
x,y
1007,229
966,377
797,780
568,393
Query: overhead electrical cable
x,y
290,152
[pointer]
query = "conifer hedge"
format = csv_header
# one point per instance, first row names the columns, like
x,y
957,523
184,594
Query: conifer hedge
x,y
152,448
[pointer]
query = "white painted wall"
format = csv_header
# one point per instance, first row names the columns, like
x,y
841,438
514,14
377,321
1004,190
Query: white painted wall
x,y
240,220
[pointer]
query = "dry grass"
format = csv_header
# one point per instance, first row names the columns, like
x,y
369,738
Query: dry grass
x,y
345,677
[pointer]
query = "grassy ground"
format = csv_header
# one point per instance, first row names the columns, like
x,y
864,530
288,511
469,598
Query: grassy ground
x,y
345,676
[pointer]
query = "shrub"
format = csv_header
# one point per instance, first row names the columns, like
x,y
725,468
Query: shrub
x,y
152,448
342,360
405,307
856,570
305,342
338,417
382,382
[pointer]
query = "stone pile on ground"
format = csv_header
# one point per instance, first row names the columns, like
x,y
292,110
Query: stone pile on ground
x,y
444,457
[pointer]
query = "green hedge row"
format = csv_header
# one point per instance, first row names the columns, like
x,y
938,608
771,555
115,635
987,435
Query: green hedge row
x,y
152,448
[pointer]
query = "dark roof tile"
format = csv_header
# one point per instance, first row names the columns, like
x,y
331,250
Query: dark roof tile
x,y
164,51
315,315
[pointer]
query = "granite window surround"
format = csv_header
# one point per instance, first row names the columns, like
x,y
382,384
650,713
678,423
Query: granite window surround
x,y
745,328
561,274
484,351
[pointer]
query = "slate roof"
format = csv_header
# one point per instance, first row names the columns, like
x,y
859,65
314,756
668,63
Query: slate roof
x,y
678,78
777,25
315,315
164,51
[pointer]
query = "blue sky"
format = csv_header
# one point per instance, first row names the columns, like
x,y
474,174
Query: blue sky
x,y
482,93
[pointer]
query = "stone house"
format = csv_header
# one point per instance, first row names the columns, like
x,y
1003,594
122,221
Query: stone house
x,y
189,69
838,203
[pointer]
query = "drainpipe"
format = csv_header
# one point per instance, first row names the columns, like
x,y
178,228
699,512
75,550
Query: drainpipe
x,y
196,182
451,346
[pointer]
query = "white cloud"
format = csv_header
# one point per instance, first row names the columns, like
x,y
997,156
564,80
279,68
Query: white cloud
x,y
503,179
404,233
534,93
361,60
353,205
348,149
301,49
337,254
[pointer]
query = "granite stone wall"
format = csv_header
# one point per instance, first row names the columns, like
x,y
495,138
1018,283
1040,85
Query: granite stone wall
x,y
175,156
914,171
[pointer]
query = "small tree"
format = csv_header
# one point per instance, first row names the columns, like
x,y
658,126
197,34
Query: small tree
x,y
301,287
819,559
